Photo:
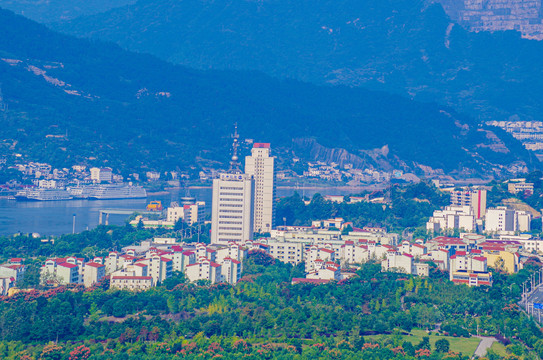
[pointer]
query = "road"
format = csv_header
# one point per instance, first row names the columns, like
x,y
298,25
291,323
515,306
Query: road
x,y
484,345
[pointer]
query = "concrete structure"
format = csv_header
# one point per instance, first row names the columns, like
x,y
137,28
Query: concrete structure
x,y
12,271
190,213
231,271
325,270
6,283
232,214
232,208
502,219
523,187
315,255
502,260
261,166
152,224
469,269
452,217
131,282
204,269
287,252
401,262
101,174
61,271
398,262
474,198
160,267
526,241
93,272
415,249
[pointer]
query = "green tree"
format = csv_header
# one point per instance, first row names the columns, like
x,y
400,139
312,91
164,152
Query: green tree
x,y
408,348
442,345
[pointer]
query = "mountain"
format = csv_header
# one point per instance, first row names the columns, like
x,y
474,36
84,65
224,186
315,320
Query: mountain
x,y
67,100
56,10
409,48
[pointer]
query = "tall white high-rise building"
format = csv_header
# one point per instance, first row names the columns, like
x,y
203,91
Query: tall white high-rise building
x,y
261,166
476,198
232,207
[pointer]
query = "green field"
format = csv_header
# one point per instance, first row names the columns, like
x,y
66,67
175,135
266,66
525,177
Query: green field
x,y
466,346
499,349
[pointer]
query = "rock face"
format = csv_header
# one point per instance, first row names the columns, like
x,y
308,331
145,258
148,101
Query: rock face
x,y
524,16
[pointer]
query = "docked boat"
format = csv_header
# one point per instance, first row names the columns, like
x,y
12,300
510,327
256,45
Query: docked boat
x,y
43,194
81,192
117,191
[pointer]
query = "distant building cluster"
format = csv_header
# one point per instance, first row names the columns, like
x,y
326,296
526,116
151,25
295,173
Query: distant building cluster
x,y
466,258
142,267
334,172
468,213
498,15
530,133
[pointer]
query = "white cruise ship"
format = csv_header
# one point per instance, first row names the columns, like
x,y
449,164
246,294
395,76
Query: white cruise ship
x,y
43,194
117,191
81,192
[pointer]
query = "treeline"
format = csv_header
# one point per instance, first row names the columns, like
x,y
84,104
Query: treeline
x,y
273,317
96,242
409,207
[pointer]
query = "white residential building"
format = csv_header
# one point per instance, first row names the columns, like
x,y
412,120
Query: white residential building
x,y
204,269
474,198
403,263
230,271
452,217
232,208
287,252
416,249
398,262
261,166
502,219
469,269
92,273
13,271
101,174
190,213
126,281
61,271
325,270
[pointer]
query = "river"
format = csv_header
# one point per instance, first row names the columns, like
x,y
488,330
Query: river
x,y
56,217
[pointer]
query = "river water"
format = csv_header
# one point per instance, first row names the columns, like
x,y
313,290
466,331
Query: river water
x,y
56,217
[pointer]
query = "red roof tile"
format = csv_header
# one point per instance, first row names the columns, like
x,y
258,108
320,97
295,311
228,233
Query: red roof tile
x,y
95,265
68,265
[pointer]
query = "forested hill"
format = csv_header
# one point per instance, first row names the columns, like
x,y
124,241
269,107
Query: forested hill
x,y
70,100
403,46
56,10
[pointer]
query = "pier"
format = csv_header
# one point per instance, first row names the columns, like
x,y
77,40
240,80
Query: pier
x,y
122,212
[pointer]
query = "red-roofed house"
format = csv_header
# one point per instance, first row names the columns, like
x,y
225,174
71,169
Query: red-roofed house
x,y
58,270
93,273
469,269
204,269
231,270
12,270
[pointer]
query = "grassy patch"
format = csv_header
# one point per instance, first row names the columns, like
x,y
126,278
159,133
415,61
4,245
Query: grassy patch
x,y
499,349
466,346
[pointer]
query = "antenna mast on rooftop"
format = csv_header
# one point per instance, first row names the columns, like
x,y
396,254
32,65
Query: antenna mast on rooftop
x,y
234,163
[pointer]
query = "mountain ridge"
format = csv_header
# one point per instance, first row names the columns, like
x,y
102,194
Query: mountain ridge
x,y
131,110
412,49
